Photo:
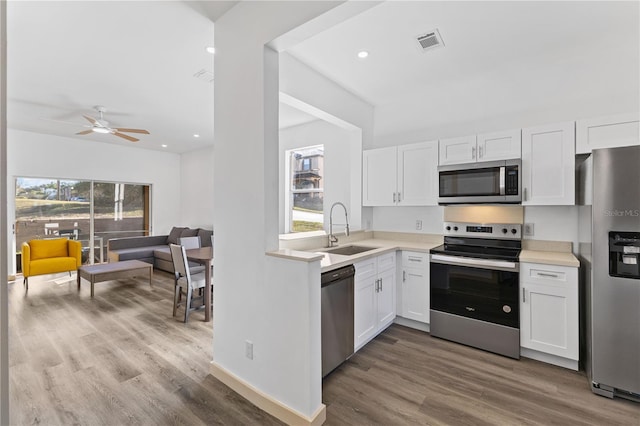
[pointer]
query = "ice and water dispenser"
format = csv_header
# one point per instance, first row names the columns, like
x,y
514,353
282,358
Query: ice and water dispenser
x,y
624,254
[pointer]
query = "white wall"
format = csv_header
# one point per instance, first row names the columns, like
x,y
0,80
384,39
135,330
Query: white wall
x,y
196,182
312,88
4,304
553,223
338,159
274,304
39,155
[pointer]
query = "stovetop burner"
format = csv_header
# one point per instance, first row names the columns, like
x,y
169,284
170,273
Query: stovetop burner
x,y
466,239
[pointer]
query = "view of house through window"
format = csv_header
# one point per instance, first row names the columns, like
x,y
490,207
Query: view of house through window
x,y
88,211
306,189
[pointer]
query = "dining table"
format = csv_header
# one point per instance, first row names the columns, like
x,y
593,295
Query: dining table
x,y
204,256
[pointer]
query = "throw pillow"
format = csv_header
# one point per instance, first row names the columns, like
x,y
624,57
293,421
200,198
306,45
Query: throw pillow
x,y
189,232
175,233
205,237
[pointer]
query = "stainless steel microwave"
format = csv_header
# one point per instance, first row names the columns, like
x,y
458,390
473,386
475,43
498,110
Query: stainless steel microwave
x,y
475,183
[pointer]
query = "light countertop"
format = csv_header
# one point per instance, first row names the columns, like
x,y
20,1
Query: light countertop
x,y
549,258
330,261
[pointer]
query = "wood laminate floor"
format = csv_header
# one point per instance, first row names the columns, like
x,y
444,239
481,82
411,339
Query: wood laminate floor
x,y
121,358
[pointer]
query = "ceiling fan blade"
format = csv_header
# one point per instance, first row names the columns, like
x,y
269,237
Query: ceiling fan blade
x,y
146,132
91,119
84,132
127,137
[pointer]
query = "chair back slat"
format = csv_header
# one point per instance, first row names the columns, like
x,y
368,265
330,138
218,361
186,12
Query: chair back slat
x,y
179,257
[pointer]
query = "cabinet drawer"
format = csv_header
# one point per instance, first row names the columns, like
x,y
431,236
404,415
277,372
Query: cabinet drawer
x,y
551,274
386,261
365,269
414,258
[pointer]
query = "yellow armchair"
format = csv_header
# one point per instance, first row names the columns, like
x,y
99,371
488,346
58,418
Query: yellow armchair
x,y
41,257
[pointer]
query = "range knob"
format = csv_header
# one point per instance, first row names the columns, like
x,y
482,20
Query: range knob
x,y
504,230
513,231
448,228
455,228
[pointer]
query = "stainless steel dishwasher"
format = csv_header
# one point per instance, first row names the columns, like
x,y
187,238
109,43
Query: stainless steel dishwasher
x,y
337,317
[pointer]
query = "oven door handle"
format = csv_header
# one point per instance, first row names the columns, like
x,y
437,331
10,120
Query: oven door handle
x,y
476,263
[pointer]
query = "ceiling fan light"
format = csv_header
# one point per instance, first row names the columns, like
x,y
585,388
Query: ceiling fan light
x,y
100,130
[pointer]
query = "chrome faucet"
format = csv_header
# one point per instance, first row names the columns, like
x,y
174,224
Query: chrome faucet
x,y
332,238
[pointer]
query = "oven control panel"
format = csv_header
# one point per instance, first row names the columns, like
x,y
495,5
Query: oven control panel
x,y
508,231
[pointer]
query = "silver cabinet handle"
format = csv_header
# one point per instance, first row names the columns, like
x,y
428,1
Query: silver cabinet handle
x,y
394,197
524,195
480,151
404,276
524,297
377,285
473,152
542,274
399,196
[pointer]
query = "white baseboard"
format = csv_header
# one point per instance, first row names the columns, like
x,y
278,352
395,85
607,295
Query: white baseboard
x,y
265,402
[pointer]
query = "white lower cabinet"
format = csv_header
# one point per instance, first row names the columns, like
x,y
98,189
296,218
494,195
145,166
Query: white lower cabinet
x,y
415,286
375,297
549,312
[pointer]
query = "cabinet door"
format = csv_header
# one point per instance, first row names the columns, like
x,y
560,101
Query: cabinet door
x,y
365,299
379,177
499,146
457,150
607,132
386,298
548,165
549,320
415,286
418,174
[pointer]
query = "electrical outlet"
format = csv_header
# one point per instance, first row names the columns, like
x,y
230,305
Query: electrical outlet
x,y
248,349
418,224
528,229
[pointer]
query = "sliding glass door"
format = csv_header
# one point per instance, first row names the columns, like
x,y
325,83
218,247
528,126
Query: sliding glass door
x,y
88,211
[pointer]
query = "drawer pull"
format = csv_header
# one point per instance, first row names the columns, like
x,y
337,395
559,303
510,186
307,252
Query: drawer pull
x,y
542,274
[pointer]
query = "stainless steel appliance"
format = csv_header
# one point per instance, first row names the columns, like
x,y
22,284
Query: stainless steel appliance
x,y
487,182
337,317
475,287
610,256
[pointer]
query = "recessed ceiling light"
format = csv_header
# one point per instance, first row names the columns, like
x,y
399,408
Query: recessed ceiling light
x,y
211,49
363,54
196,135
164,145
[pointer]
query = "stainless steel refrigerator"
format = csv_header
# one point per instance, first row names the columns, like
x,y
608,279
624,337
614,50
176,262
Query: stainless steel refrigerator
x,y
610,253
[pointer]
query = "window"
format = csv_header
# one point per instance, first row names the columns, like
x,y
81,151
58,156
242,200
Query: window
x,y
91,212
305,188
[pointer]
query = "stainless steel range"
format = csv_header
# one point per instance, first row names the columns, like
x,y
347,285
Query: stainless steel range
x,y
475,286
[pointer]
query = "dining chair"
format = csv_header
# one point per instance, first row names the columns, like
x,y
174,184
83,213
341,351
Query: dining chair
x,y
185,282
190,242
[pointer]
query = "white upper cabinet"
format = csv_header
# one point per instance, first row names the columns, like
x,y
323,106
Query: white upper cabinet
x,y
406,175
607,132
418,174
458,150
379,174
485,147
499,145
548,164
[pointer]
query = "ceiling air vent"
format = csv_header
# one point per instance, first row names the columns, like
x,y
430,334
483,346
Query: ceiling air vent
x,y
204,75
430,40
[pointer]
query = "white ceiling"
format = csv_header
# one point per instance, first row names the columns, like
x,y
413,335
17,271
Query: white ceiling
x,y
498,56
138,60
135,58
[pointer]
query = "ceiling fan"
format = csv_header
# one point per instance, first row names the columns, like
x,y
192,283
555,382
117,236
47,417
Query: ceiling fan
x,y
100,125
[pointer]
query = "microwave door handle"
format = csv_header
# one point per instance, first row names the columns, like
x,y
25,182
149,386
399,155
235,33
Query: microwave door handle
x,y
502,179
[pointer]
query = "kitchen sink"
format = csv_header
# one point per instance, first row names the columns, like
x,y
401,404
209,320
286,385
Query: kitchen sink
x,y
348,250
